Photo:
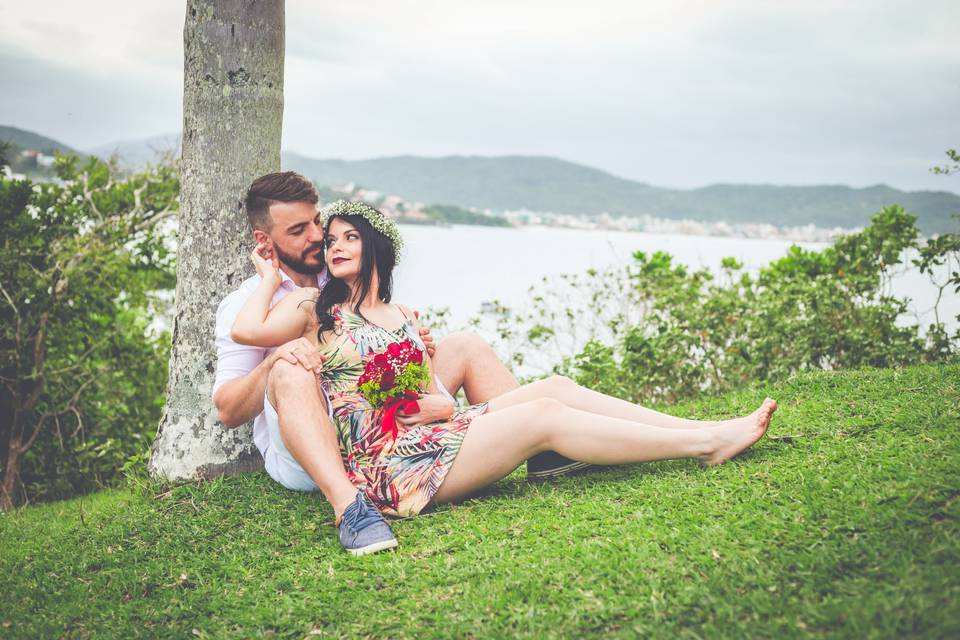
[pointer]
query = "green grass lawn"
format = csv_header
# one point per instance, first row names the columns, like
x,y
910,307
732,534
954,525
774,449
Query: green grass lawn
x,y
844,521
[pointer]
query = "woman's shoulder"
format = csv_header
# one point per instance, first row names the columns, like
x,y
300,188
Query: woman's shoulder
x,y
406,311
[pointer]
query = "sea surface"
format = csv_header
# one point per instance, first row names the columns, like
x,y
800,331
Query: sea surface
x,y
461,267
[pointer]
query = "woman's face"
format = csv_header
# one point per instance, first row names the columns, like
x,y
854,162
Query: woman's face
x,y
344,250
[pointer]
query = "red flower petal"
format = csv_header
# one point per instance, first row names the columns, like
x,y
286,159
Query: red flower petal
x,y
387,380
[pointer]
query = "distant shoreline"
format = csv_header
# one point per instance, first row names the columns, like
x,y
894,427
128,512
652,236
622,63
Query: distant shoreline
x,y
666,226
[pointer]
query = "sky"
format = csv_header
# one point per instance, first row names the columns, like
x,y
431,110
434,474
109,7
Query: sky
x,y
674,93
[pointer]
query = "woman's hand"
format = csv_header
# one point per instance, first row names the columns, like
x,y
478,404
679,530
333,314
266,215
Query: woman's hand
x,y
266,263
433,408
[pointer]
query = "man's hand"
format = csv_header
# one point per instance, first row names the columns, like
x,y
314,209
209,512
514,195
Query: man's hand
x,y
426,337
302,352
433,408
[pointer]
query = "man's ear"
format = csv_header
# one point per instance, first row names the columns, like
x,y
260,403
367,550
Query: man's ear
x,y
261,237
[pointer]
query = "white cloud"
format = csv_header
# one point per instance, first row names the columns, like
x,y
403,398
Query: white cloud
x,y
674,93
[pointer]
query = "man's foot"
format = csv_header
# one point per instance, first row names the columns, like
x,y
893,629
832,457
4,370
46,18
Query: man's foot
x,y
550,464
363,530
740,434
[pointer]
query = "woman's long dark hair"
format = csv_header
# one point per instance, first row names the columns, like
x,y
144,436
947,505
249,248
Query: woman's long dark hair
x,y
377,254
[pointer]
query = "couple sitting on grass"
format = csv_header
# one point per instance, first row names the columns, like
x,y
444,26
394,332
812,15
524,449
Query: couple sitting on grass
x,y
293,344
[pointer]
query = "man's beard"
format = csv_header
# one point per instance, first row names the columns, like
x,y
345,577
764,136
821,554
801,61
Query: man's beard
x,y
298,264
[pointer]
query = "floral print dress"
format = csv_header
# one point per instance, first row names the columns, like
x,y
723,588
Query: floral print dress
x,y
399,474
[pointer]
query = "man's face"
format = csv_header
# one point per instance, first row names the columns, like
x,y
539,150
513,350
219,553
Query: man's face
x,y
296,236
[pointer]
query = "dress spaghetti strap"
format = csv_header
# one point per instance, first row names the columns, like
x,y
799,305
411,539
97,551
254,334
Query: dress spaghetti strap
x,y
400,309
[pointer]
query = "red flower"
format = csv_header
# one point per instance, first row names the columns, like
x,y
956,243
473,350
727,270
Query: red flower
x,y
393,349
380,360
417,356
388,379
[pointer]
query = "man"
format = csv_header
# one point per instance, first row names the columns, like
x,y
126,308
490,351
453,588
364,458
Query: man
x,y
292,429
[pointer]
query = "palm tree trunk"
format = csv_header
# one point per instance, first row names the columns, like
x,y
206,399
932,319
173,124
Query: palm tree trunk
x,y
232,118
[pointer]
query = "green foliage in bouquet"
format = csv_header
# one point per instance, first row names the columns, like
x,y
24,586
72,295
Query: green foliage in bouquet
x,y
414,376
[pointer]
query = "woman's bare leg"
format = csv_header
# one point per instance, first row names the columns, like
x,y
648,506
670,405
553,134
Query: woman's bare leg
x,y
494,446
573,395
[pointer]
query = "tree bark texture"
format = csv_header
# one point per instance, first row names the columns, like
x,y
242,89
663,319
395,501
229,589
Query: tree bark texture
x,y
232,119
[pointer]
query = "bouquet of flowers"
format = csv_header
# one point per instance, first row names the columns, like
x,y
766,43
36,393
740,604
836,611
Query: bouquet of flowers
x,y
393,380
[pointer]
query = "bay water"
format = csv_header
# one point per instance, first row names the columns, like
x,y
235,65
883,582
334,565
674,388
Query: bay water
x,y
462,267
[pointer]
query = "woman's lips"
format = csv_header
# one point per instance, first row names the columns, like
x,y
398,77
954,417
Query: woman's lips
x,y
339,260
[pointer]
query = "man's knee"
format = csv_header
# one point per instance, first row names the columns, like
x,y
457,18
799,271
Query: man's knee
x,y
294,383
285,377
465,343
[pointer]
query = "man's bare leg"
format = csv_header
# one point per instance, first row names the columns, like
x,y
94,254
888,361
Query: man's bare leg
x,y
308,433
465,360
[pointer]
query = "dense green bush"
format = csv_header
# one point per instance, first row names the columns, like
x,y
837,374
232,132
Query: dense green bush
x,y
808,310
82,370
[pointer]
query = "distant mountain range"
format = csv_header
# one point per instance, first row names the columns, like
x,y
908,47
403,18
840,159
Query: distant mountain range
x,y
29,140
135,154
549,184
552,185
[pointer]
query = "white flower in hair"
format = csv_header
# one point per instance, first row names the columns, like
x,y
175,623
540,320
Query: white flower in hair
x,y
377,220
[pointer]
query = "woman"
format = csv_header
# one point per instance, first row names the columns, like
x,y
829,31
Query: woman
x,y
442,454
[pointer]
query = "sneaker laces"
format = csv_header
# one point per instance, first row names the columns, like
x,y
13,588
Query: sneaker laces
x,y
364,515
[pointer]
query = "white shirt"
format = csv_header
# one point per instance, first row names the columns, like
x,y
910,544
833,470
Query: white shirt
x,y
237,360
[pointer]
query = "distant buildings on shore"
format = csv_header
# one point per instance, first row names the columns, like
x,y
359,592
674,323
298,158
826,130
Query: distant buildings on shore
x,y
651,224
29,160
401,210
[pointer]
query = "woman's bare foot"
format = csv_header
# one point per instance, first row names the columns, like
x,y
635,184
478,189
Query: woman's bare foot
x,y
740,434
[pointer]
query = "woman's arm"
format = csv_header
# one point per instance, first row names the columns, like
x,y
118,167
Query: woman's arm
x,y
260,326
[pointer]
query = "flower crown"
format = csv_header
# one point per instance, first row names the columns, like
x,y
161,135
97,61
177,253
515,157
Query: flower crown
x,y
377,220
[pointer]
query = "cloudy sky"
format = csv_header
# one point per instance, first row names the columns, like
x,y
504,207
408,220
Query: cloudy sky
x,y
669,92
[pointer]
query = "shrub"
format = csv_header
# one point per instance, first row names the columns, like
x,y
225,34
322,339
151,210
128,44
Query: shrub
x,y
659,331
82,371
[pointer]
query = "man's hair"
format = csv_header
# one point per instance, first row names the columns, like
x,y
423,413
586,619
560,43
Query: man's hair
x,y
285,186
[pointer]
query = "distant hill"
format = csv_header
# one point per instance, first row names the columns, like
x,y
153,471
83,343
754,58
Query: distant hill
x,y
29,140
550,184
20,140
135,154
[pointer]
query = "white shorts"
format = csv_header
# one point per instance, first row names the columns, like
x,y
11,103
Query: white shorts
x,y
280,463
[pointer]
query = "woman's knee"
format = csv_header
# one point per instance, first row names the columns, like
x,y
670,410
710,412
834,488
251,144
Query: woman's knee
x,y
545,411
545,414
555,386
561,383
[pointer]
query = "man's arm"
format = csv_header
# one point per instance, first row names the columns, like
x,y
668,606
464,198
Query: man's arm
x,y
242,371
240,400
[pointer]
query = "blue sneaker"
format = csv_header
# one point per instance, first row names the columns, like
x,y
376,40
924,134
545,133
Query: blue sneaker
x,y
363,530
